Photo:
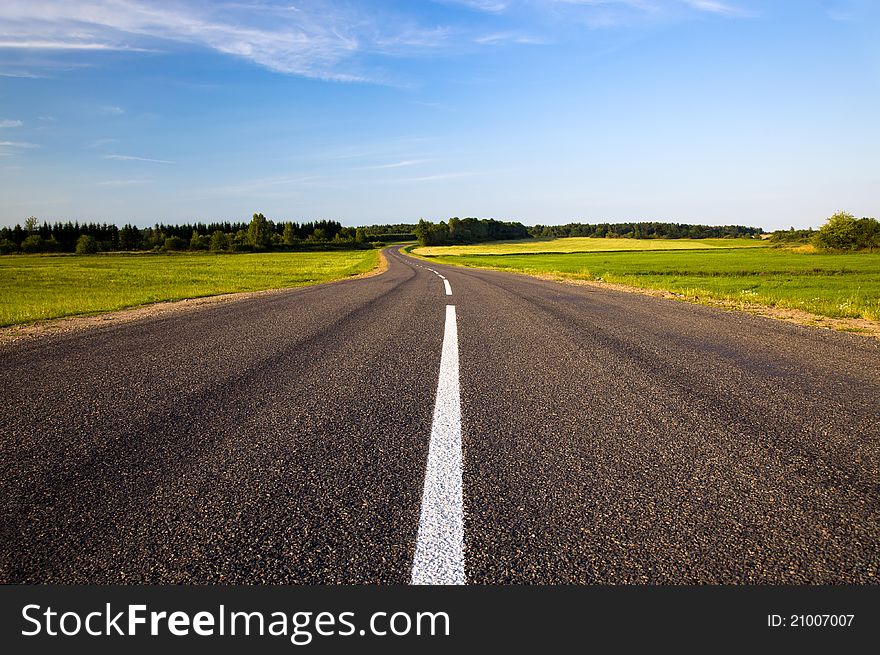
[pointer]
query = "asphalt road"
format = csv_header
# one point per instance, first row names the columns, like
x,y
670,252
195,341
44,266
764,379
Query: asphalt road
x,y
601,437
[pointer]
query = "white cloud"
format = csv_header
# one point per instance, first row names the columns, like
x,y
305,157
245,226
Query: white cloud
x,y
715,7
121,183
439,176
18,144
37,44
656,7
489,6
327,39
397,164
133,158
311,39
8,122
23,75
499,38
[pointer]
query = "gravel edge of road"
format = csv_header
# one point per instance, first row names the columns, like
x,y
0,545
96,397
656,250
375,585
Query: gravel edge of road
x,y
57,326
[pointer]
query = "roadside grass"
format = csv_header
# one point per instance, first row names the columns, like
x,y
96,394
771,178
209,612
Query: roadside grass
x,y
584,244
35,287
834,285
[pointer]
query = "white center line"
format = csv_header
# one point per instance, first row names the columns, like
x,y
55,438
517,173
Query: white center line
x,y
448,288
439,556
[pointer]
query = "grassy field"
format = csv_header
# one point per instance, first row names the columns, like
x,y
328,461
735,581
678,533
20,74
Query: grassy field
x,y
585,244
36,287
835,285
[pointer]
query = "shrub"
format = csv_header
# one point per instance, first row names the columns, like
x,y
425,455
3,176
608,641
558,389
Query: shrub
x,y
7,247
220,241
32,244
86,245
198,241
844,232
175,243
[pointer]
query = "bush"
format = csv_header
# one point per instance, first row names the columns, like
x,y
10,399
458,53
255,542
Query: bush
x,y
220,241
199,241
7,247
844,232
86,245
32,244
175,243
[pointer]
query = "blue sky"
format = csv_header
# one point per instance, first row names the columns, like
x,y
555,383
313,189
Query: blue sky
x,y
545,111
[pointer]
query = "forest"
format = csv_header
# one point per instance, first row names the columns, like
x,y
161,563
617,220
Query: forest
x,y
645,230
260,234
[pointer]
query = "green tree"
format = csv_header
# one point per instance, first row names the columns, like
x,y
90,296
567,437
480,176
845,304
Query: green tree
x,y
86,245
175,243
31,224
198,241
129,238
289,235
32,244
360,235
868,233
259,233
838,233
220,241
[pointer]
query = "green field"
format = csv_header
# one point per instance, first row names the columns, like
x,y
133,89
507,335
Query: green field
x,y
585,244
836,285
34,287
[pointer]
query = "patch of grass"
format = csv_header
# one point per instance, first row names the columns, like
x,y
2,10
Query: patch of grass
x,y
585,244
835,285
34,287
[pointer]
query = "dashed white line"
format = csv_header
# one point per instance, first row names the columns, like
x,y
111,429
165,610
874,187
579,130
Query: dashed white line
x,y
439,556
448,288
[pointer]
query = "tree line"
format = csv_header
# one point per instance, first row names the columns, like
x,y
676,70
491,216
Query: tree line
x,y
841,232
467,230
645,230
258,234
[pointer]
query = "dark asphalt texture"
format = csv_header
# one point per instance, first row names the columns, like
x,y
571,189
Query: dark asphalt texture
x,y
608,438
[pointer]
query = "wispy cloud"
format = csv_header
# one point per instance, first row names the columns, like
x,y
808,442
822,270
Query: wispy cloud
x,y
327,39
112,110
499,38
133,158
21,75
311,39
439,176
716,7
121,183
8,122
18,144
39,44
397,164
650,7
489,6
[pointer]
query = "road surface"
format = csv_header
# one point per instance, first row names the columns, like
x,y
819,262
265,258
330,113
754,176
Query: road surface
x,y
442,426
